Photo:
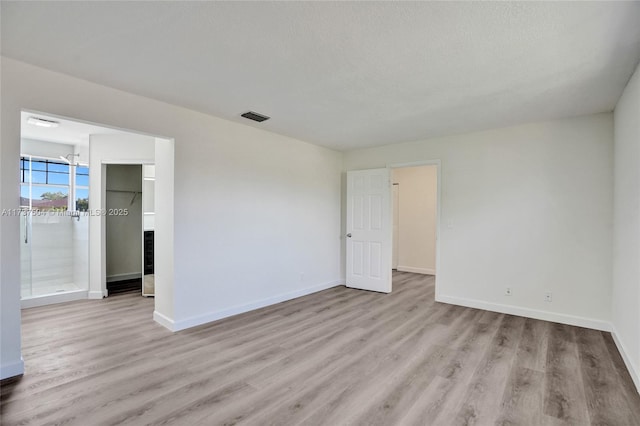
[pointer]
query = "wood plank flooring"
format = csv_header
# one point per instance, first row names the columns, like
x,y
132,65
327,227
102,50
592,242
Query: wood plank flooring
x,y
338,357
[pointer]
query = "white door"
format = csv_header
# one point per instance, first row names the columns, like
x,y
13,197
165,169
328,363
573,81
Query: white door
x,y
369,230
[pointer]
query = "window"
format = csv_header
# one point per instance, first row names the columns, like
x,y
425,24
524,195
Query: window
x,y
82,189
44,171
47,185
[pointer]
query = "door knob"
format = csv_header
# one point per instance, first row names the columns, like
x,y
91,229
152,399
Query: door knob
x,y
349,235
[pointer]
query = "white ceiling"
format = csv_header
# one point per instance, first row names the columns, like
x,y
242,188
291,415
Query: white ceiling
x,y
68,132
344,74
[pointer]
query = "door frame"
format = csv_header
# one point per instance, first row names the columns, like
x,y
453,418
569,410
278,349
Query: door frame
x,y
438,164
395,194
103,218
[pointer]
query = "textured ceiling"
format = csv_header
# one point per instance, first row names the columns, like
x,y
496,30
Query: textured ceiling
x,y
345,74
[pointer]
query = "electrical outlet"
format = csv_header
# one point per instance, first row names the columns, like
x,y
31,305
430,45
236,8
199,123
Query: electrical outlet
x,y
548,297
507,291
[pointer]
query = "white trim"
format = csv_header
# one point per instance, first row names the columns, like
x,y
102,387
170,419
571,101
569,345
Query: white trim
x,y
633,370
49,299
164,321
132,162
12,370
526,312
98,294
425,271
103,222
124,277
224,313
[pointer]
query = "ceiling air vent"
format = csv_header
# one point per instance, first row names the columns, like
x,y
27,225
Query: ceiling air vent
x,y
255,116
41,122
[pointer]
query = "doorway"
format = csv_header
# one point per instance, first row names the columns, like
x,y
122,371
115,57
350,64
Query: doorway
x,y
414,212
130,227
124,227
63,166
369,238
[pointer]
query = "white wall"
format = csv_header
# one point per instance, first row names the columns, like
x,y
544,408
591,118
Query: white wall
x,y
124,231
164,230
11,362
148,194
262,209
45,149
527,207
417,196
626,235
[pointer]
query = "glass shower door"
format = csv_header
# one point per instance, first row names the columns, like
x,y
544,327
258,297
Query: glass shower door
x,y
52,253
25,254
54,233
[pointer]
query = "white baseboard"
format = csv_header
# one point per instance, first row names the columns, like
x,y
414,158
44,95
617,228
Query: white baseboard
x,y
11,370
526,312
633,369
426,271
164,321
97,294
49,299
124,277
214,316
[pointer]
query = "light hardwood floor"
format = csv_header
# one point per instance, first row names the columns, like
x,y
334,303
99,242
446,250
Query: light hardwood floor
x,y
336,357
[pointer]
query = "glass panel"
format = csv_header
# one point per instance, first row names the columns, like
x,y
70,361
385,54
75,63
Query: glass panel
x,y
82,180
58,167
82,199
49,198
39,165
58,178
80,236
36,177
24,169
25,256
24,195
52,254
82,170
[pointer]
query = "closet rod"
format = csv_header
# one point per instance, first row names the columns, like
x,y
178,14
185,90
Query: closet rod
x,y
122,190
